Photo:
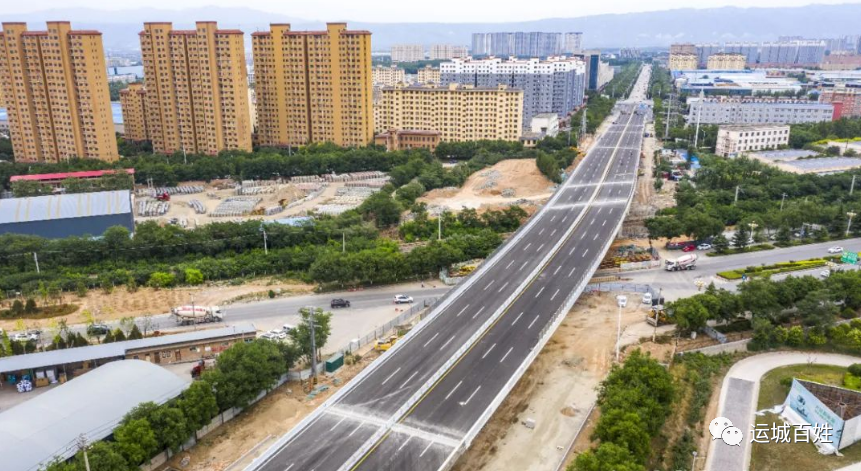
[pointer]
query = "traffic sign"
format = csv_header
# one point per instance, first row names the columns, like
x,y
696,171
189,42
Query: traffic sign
x,y
850,257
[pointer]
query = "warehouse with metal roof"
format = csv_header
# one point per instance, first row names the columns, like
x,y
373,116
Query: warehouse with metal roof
x,y
64,215
46,427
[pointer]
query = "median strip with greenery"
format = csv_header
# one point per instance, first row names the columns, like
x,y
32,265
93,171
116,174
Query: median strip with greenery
x,y
773,269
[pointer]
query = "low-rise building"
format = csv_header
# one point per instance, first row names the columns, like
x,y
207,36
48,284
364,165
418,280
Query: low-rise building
x,y
405,139
845,98
726,61
683,61
65,215
749,110
733,82
388,76
408,53
841,62
545,123
458,112
735,140
428,74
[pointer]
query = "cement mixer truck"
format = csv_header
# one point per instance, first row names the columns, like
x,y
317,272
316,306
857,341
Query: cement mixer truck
x,y
186,315
685,262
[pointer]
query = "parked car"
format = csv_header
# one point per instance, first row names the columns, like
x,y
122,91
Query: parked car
x,y
825,273
704,247
688,248
403,299
835,249
622,300
20,337
339,302
98,329
287,328
269,336
647,298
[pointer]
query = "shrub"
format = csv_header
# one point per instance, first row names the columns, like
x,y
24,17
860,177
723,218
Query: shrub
x,y
161,280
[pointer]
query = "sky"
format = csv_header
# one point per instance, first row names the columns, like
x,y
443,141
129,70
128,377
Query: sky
x,y
449,11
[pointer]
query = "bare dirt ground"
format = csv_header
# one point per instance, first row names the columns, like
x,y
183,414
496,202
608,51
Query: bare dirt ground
x,y
558,389
237,443
120,303
486,187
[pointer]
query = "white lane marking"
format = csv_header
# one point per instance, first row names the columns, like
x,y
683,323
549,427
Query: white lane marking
x,y
518,318
570,252
563,219
408,379
431,339
553,218
509,264
527,246
533,321
479,312
571,272
390,376
604,223
461,311
448,342
503,287
453,390
426,449
539,248
506,354
336,425
554,231
542,230
470,397
585,252
404,443
288,468
596,236
354,431
488,285
599,210
557,270
582,235
540,291
592,221
554,295
522,266
488,351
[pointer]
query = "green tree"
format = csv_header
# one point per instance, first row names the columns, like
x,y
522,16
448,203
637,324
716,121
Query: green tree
x,y
30,306
136,441
193,276
624,429
818,309
198,405
607,457
382,209
244,370
720,243
170,427
689,314
135,333
161,280
301,335
548,166
741,237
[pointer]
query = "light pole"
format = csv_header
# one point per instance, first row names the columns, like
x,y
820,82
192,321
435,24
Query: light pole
x,y
752,226
193,312
694,461
81,441
619,329
782,199
851,215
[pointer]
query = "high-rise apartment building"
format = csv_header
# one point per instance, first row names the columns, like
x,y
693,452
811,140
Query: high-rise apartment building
x,y
749,50
726,61
196,88
792,53
556,85
408,53
704,51
313,86
458,112
683,48
532,44
56,90
135,117
388,76
682,61
447,52
428,74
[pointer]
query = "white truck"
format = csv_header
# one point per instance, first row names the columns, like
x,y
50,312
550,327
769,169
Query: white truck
x,y
685,262
197,314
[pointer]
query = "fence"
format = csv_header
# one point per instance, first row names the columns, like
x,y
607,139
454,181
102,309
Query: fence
x,y
620,286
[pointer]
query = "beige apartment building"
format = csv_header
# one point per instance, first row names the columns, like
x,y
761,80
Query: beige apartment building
x,y
388,76
197,97
845,98
313,86
683,48
447,52
408,53
457,112
133,102
683,61
56,90
428,74
726,61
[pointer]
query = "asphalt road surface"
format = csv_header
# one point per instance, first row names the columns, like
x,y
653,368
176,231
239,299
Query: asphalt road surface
x,y
541,265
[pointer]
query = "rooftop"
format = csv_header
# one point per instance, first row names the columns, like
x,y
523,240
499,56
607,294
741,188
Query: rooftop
x,y
39,177
46,427
64,206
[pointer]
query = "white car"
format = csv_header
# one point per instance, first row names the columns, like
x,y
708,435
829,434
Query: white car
x,y
704,247
836,249
622,300
825,273
402,299
22,337
647,298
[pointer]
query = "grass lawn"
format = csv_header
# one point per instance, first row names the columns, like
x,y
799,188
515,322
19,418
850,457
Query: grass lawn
x,y
796,456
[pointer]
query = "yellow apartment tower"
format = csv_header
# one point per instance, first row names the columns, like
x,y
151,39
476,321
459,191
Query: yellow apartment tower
x,y
313,86
457,112
133,101
55,86
196,88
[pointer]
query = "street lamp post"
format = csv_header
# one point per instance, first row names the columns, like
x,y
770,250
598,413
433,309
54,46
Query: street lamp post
x,y
851,215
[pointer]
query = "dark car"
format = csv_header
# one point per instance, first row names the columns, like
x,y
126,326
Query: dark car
x,y
339,303
98,329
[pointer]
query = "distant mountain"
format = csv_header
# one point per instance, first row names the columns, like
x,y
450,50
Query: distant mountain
x,y
648,29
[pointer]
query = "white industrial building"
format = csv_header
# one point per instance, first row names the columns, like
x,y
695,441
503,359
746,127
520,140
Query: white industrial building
x,y
750,110
733,82
735,140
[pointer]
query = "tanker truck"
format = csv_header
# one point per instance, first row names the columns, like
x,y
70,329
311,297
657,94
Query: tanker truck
x,y
186,315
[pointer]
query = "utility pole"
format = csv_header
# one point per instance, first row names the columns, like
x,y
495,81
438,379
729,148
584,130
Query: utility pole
x,y
343,242
36,259
736,196
699,115
852,188
583,126
782,199
265,239
619,330
82,445
657,314
851,215
193,311
184,157
311,324
439,227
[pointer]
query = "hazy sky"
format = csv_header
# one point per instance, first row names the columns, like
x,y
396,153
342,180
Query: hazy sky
x,y
416,10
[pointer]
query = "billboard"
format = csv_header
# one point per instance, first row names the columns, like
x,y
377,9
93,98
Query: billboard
x,y
811,409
